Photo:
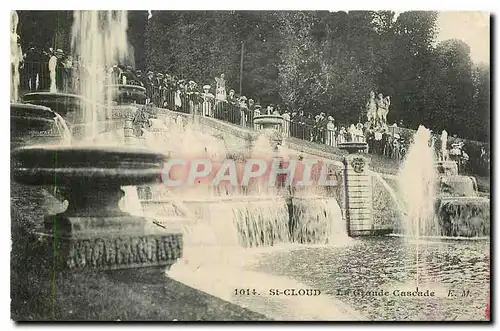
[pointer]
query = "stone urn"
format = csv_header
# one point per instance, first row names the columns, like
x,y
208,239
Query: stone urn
x,y
272,126
93,232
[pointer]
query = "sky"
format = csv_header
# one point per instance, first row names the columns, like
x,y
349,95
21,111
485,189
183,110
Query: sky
x,y
471,27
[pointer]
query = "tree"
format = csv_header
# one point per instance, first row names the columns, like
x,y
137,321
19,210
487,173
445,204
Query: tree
x,y
480,110
452,93
406,74
45,28
317,61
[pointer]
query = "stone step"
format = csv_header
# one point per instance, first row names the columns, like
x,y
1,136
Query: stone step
x,y
359,183
361,221
351,178
359,206
354,217
360,198
367,215
356,191
366,227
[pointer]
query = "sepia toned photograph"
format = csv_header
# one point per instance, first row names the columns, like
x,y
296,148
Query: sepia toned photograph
x,y
250,165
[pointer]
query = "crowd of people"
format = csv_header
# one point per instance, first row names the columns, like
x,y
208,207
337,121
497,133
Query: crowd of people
x,y
40,68
169,91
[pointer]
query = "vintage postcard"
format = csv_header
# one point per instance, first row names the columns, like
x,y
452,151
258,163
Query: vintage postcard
x,y
250,165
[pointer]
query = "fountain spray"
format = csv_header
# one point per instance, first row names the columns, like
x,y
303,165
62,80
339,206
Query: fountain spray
x,y
444,141
99,39
417,181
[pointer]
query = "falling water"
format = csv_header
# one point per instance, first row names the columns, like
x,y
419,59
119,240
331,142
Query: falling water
x,y
226,230
388,209
16,56
317,220
99,39
228,213
417,180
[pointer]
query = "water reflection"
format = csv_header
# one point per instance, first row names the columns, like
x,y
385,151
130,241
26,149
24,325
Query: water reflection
x,y
387,264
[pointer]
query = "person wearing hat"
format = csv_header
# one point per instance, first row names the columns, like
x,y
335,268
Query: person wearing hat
x,y
31,71
138,77
251,111
63,70
168,92
359,132
60,69
270,109
159,79
158,89
309,124
286,122
456,149
67,72
193,97
395,148
323,121
179,94
231,98
256,112
138,73
315,129
208,100
115,73
149,85
243,101
251,104
128,76
234,111
342,137
244,112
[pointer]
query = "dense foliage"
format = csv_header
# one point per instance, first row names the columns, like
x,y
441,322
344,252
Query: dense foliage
x,y
319,61
330,61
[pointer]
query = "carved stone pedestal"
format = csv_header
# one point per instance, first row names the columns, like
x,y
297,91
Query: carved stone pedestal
x,y
358,191
114,250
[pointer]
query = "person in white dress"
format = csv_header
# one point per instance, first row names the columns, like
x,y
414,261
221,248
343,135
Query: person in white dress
x,y
342,138
352,132
286,123
208,99
243,110
359,133
220,88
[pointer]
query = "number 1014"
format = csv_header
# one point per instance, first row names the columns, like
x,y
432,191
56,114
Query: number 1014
x,y
245,291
